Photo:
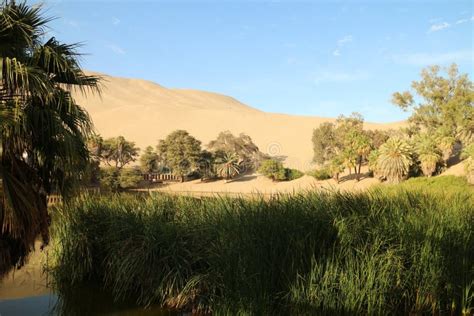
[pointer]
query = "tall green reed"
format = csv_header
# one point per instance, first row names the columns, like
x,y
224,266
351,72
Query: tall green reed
x,y
390,250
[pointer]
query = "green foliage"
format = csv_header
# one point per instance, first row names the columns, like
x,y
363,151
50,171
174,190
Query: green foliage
x,y
180,152
446,146
116,180
228,165
468,155
440,183
293,174
321,174
428,153
394,159
242,146
118,152
394,250
149,160
372,161
207,165
129,177
273,169
324,142
446,108
378,137
43,131
346,140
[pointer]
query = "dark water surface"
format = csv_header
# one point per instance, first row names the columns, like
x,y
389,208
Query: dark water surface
x,y
82,302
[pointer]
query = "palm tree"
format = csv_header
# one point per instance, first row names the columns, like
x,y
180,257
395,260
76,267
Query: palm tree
x,y
428,153
428,163
228,165
394,159
372,162
42,132
336,167
446,146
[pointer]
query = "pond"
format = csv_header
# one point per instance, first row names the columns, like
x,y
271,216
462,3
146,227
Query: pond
x,y
88,301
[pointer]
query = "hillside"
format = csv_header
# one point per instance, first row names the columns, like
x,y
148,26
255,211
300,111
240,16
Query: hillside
x,y
145,112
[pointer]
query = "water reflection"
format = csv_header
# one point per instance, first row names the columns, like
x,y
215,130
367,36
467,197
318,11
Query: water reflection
x,y
88,301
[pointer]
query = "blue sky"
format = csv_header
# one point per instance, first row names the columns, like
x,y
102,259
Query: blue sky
x,y
319,58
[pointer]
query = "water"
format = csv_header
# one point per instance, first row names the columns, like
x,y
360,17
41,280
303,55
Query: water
x,y
88,301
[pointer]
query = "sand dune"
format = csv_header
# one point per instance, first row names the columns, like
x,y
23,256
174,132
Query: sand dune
x,y
145,112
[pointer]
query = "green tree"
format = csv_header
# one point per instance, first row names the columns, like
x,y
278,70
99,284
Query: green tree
x,y
180,152
325,146
118,152
273,169
446,146
345,139
335,168
249,154
129,177
372,162
43,131
149,160
428,153
447,102
228,165
394,159
428,162
207,165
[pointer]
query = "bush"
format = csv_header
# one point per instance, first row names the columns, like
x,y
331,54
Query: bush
x,y
293,174
320,174
115,180
130,177
392,250
273,169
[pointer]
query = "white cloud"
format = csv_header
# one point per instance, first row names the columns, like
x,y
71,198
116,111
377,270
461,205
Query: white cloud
x,y
461,21
439,27
115,21
423,59
331,77
116,49
341,43
344,40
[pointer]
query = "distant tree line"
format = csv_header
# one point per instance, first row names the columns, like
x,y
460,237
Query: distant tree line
x,y
179,153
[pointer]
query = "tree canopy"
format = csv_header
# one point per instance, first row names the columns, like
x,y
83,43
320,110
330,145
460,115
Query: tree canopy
x,y
248,153
43,131
443,105
118,152
181,152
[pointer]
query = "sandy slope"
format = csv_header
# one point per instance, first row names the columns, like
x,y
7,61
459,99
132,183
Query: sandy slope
x,y
145,112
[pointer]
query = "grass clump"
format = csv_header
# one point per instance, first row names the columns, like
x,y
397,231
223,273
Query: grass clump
x,y
390,250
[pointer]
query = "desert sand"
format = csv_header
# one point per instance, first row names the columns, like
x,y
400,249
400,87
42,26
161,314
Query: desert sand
x,y
144,112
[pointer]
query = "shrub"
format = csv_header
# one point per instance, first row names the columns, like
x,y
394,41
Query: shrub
x,y
293,174
321,174
130,177
115,180
394,159
273,169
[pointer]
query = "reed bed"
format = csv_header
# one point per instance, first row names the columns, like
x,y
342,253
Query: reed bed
x,y
391,250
